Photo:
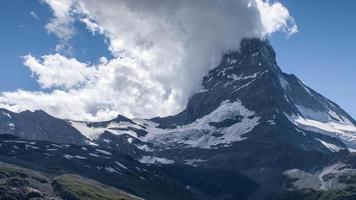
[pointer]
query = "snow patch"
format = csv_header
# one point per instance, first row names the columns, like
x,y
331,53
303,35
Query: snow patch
x,y
111,170
88,132
19,142
305,88
107,141
115,128
284,83
80,157
104,152
129,140
144,148
11,125
94,155
235,77
121,165
331,147
32,147
313,114
193,162
155,160
67,156
6,115
271,122
345,132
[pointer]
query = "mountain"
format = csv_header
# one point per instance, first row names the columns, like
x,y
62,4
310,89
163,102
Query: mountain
x,y
251,82
251,132
246,92
39,125
248,116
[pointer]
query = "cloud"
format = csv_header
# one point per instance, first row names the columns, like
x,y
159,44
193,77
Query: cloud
x,y
34,15
161,51
276,17
57,71
62,23
90,92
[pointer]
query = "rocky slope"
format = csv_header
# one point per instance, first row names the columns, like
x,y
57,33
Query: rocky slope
x,y
39,125
120,171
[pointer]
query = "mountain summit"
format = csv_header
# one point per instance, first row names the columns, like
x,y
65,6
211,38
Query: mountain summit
x,y
248,90
253,77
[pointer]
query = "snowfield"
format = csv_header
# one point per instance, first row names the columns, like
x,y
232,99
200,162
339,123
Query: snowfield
x,y
322,122
202,133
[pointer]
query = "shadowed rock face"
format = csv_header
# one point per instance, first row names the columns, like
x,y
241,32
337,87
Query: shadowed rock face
x,y
39,125
109,167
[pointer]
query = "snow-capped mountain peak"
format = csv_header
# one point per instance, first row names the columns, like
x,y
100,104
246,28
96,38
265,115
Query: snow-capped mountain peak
x,y
246,91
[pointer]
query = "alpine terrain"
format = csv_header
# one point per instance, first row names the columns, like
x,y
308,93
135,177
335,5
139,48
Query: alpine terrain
x,y
251,132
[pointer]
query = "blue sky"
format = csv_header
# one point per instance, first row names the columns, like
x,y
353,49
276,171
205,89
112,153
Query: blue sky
x,y
23,34
322,53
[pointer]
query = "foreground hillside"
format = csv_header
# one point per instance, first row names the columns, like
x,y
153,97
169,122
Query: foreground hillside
x,y
19,183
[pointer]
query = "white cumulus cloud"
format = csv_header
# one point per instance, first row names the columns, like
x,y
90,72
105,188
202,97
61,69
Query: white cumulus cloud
x,y
161,49
57,71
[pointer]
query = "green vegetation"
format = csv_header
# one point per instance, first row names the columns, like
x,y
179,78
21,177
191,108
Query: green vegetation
x,y
73,187
17,183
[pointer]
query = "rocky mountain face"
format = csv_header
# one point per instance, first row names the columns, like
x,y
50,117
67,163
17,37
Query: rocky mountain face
x,y
251,132
39,125
246,92
111,168
253,78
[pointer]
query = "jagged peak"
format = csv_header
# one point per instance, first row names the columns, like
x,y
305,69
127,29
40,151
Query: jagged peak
x,y
238,69
252,51
121,118
255,57
252,76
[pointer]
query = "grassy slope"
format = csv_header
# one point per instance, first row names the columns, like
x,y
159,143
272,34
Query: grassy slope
x,y
79,188
21,183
